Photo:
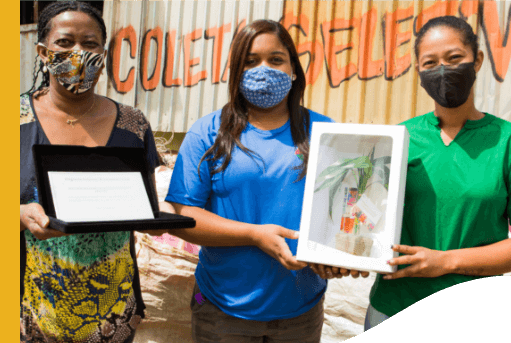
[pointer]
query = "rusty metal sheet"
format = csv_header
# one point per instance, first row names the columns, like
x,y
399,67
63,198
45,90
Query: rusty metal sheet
x,y
28,38
169,58
493,84
360,62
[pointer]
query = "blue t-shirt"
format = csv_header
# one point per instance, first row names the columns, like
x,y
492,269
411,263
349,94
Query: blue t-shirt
x,y
244,281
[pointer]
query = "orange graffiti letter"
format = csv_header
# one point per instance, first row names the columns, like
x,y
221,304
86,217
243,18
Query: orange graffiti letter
x,y
168,67
438,9
337,75
114,59
367,68
217,34
468,8
192,80
290,20
226,69
393,38
313,50
149,83
499,48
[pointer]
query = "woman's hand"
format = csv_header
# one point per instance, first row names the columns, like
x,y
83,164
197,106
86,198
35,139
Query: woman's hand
x,y
329,272
423,262
163,207
33,218
271,239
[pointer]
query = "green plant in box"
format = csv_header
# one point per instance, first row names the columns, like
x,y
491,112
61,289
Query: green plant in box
x,y
362,168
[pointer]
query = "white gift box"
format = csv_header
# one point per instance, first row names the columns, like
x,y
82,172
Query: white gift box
x,y
354,192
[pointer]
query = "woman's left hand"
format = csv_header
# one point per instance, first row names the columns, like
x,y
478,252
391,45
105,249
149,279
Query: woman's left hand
x,y
423,262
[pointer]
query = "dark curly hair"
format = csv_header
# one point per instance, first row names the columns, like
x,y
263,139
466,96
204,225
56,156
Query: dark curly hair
x,y
44,27
468,37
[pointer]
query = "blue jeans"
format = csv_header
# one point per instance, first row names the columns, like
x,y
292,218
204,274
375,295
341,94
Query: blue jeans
x,y
373,318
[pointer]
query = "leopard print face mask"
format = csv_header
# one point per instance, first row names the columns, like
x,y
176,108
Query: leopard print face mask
x,y
76,70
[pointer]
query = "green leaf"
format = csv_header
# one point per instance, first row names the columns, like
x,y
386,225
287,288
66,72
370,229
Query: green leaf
x,y
333,169
332,181
383,159
333,190
362,162
367,173
371,155
387,177
380,173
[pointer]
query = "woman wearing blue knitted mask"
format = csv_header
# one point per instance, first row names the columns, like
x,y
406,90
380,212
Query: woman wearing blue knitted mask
x,y
240,173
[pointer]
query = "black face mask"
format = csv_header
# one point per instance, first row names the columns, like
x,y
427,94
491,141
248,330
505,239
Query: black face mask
x,y
449,86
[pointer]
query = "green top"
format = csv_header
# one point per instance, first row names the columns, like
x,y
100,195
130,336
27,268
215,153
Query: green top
x,y
457,196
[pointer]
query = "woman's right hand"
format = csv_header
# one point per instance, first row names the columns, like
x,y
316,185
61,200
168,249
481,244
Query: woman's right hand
x,y
329,272
271,239
33,218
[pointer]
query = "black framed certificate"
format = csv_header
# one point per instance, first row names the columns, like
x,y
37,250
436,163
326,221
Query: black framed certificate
x,y
99,189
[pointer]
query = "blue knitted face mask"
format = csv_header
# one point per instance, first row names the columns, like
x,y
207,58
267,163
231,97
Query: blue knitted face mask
x,y
265,87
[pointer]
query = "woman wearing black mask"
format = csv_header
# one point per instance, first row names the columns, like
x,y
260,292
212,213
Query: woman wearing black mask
x,y
458,186
457,203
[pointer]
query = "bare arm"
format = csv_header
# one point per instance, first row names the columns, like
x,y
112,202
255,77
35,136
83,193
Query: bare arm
x,y
492,259
488,260
210,229
213,230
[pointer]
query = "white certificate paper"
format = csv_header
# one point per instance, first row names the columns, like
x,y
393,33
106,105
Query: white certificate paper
x,y
99,196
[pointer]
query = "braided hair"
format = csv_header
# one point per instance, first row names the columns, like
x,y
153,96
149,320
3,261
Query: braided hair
x,y
44,27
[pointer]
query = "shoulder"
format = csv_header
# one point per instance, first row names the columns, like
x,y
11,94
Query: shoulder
x,y
502,123
500,128
207,127
420,125
316,117
130,113
131,119
26,113
416,121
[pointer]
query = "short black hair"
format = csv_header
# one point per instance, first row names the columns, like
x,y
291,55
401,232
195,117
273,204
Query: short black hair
x,y
458,24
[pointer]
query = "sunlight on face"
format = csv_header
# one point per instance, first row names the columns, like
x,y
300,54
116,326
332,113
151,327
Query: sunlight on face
x,y
267,50
73,30
443,45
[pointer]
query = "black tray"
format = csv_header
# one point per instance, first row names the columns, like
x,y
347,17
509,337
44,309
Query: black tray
x,y
69,158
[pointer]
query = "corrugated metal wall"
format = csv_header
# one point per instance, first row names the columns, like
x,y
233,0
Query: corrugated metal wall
x,y
360,60
177,70
28,38
363,54
493,84
169,58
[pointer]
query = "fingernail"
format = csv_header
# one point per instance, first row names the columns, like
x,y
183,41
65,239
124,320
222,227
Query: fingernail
x,y
392,246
